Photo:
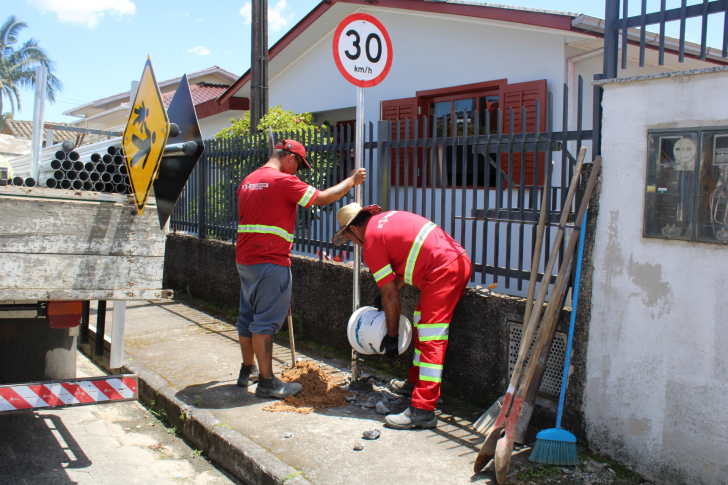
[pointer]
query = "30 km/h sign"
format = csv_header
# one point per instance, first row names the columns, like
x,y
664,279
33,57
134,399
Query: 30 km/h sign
x,y
145,136
362,50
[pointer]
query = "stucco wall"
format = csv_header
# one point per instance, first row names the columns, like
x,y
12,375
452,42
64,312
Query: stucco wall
x,y
322,296
657,363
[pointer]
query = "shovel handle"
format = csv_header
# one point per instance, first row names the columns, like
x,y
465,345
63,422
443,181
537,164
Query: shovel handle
x,y
290,333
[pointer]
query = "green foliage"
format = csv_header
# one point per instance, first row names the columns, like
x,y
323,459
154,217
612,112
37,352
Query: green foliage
x,y
18,63
277,118
198,400
542,471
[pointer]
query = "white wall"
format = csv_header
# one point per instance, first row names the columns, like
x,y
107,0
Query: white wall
x,y
213,124
657,363
429,53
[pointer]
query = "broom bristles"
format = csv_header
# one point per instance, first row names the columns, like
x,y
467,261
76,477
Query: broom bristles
x,y
555,451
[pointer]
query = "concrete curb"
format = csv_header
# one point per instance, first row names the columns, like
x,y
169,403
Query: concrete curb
x,y
235,452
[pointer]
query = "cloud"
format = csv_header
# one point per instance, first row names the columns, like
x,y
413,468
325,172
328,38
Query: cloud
x,y
84,12
247,13
200,51
278,17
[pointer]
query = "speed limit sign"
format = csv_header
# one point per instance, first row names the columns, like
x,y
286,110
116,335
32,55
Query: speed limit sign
x,y
362,50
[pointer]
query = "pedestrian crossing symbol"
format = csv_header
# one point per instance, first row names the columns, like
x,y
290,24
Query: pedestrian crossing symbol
x,y
145,136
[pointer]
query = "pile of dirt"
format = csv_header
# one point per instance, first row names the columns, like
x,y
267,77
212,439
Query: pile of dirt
x,y
319,391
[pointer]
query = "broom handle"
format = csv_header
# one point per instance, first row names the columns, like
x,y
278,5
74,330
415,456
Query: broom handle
x,y
572,321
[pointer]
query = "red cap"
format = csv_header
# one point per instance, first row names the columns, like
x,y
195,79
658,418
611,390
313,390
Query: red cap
x,y
294,147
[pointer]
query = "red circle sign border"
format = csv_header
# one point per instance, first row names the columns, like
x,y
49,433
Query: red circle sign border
x,y
368,18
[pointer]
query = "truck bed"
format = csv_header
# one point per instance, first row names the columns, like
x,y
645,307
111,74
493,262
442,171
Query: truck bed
x,y
74,245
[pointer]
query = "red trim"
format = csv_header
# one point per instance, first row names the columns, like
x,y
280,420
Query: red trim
x,y
462,89
212,107
387,40
548,20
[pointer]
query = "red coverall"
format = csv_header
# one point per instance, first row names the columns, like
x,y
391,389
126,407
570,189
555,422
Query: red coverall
x,y
409,247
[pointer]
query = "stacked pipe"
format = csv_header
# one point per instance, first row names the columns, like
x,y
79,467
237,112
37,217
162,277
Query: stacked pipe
x,y
102,172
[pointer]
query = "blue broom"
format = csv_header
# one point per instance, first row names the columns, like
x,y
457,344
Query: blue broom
x,y
557,446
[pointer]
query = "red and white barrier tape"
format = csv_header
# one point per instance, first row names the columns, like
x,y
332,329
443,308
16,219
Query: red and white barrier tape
x,y
72,392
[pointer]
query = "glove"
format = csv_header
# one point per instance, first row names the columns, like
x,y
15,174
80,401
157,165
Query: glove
x,y
390,346
377,303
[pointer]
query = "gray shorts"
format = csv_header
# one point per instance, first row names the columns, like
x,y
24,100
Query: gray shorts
x,y
265,296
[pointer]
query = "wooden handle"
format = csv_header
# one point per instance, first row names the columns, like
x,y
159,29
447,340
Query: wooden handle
x,y
568,252
290,333
530,326
536,257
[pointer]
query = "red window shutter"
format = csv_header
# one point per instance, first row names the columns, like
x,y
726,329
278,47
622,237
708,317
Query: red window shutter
x,y
402,109
516,96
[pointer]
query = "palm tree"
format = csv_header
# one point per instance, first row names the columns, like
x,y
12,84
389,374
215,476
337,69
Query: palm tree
x,y
17,66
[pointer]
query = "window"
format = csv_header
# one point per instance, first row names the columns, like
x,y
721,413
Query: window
x,y
686,192
448,107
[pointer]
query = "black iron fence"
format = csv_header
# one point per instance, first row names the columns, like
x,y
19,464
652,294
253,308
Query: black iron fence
x,y
480,181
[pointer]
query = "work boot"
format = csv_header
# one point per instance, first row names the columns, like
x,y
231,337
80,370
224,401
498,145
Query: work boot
x,y
249,375
276,388
404,387
412,417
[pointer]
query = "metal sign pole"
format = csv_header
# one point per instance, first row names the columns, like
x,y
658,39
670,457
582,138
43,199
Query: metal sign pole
x,y
359,162
41,81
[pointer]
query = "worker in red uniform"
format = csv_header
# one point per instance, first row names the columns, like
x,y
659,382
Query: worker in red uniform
x,y
267,203
403,248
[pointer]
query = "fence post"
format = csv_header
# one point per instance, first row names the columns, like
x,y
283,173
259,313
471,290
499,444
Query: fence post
x,y
597,118
384,133
202,192
611,38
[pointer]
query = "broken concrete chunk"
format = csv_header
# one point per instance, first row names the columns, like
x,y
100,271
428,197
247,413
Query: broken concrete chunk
x,y
371,402
350,398
358,447
289,435
371,434
381,408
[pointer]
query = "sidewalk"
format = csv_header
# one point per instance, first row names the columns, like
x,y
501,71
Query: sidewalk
x,y
188,362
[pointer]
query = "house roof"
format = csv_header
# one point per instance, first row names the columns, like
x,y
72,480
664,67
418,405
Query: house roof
x,y
324,18
24,129
200,93
115,100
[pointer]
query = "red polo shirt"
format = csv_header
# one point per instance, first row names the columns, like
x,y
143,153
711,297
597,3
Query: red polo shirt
x,y
267,201
406,246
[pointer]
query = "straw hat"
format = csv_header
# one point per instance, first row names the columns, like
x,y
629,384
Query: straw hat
x,y
346,216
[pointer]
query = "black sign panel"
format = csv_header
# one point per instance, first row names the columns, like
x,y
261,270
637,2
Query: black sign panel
x,y
175,170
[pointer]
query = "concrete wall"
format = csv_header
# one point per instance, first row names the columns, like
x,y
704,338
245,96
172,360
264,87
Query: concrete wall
x,y
322,296
657,364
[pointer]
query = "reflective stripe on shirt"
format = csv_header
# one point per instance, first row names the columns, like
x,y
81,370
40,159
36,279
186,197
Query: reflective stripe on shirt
x,y
415,250
256,228
383,273
307,197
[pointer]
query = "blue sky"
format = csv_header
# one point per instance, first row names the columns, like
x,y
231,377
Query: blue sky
x,y
100,46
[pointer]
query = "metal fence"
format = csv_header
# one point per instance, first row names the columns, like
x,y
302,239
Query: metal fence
x,y
465,175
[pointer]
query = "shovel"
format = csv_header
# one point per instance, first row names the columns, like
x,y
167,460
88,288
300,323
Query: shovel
x,y
504,446
487,450
488,419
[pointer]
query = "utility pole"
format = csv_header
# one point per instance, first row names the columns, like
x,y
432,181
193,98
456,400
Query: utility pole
x,y
259,64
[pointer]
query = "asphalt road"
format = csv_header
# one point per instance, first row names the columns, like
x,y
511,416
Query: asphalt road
x,y
120,443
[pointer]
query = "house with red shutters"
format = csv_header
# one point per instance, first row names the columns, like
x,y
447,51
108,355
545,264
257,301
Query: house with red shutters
x,y
452,58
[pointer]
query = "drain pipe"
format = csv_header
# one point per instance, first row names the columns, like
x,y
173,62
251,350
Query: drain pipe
x,y
573,87
571,77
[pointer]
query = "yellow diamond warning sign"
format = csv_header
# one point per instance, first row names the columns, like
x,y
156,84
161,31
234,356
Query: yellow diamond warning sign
x,y
145,136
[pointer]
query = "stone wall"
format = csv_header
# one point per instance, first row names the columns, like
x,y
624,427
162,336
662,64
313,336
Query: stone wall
x,y
322,302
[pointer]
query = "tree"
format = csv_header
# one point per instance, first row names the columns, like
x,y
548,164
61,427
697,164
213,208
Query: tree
x,y
277,118
17,65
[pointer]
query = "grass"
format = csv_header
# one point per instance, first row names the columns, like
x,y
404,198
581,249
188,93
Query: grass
x,y
541,471
621,472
